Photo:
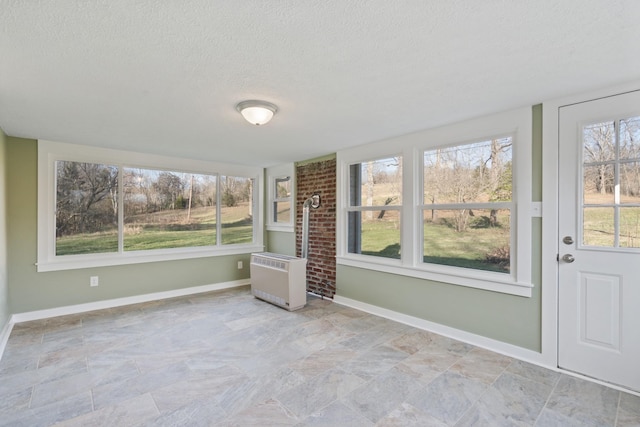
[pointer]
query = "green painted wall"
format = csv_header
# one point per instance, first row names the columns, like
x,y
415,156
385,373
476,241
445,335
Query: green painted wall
x,y
281,242
511,319
30,290
4,287
506,318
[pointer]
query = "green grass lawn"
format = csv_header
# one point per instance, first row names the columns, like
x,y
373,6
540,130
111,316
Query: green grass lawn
x,y
381,238
164,230
599,227
443,245
88,243
468,249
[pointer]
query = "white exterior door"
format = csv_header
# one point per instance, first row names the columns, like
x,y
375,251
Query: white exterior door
x,y
599,226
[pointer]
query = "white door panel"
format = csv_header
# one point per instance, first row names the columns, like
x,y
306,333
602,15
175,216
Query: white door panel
x,y
599,226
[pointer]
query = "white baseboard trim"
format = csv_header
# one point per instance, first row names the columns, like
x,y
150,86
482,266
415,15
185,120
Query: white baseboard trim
x,y
457,334
118,302
4,336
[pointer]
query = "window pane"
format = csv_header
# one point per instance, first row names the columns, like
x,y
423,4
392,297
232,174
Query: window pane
x,y
598,228
630,227
630,182
164,209
599,142
236,211
598,184
469,238
376,183
282,212
630,138
282,205
86,208
375,233
283,187
478,172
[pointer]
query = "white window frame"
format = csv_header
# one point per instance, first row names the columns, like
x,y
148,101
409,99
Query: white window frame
x,y
366,208
412,146
274,173
49,152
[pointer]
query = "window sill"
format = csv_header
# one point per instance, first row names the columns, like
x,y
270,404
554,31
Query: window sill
x,y
480,279
74,262
282,228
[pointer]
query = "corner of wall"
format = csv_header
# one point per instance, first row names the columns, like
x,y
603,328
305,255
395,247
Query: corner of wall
x,y
4,287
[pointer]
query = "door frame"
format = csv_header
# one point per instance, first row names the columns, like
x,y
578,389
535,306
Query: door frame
x,y
550,213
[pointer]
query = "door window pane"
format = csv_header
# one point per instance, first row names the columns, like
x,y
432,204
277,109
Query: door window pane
x,y
168,209
630,182
598,227
468,238
86,208
598,184
237,210
599,142
630,227
630,138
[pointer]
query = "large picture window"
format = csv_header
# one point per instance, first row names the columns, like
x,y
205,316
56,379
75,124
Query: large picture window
x,y
168,209
94,212
467,205
452,206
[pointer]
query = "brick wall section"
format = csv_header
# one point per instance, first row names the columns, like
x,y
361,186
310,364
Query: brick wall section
x,y
318,178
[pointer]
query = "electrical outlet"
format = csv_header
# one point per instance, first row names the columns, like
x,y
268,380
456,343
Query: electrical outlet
x,y
239,265
93,281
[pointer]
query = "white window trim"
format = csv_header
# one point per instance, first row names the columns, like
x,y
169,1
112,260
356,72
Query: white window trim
x,y
49,152
274,173
514,122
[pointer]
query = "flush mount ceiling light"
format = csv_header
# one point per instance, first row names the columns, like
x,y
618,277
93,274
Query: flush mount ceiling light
x,y
257,112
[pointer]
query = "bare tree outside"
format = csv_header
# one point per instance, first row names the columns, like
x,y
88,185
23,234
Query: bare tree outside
x,y
611,183
478,172
86,202
161,209
460,182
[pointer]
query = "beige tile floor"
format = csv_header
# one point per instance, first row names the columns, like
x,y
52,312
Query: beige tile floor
x,y
227,359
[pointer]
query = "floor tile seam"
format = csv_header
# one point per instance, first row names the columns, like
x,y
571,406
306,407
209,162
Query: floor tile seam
x,y
93,403
615,421
347,403
490,386
31,396
155,403
530,379
553,390
448,368
411,396
299,418
499,375
484,392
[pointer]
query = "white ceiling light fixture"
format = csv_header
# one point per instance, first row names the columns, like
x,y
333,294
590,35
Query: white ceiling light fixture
x,y
257,112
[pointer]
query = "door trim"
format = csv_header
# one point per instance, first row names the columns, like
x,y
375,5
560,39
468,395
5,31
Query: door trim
x,y
550,194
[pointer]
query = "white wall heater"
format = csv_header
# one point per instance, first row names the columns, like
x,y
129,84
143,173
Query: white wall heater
x,y
279,279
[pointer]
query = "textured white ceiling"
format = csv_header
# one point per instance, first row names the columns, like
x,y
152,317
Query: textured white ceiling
x,y
164,76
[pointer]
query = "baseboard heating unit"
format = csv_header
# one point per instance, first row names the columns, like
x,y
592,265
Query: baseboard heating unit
x,y
279,279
